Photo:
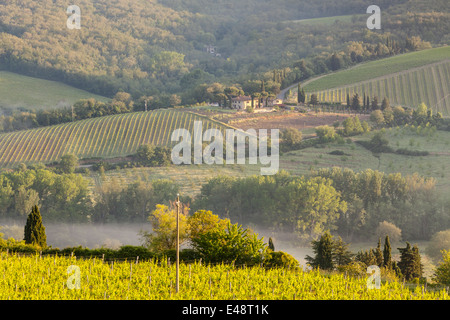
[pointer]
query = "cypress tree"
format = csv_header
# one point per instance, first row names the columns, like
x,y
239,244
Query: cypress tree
x,y
34,232
271,245
418,267
385,104
387,258
410,262
379,254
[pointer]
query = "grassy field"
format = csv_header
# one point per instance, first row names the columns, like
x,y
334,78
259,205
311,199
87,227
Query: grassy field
x,y
105,137
357,158
21,91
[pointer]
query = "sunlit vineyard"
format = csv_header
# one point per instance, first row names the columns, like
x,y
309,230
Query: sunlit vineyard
x,y
109,136
428,84
46,277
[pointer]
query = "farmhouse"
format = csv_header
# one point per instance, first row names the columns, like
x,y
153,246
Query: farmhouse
x,y
241,102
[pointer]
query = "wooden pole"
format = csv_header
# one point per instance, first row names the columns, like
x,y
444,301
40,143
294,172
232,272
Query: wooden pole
x,y
178,244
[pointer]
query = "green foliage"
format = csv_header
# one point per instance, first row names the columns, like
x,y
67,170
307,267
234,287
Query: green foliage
x,y
151,156
203,221
386,228
271,246
280,259
410,262
323,250
34,233
408,201
164,228
233,244
387,257
291,139
68,163
352,126
438,242
442,272
326,133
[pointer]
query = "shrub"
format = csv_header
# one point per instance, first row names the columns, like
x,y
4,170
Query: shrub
x,y
353,269
388,229
280,259
438,242
442,272
337,153
326,133
234,244
416,153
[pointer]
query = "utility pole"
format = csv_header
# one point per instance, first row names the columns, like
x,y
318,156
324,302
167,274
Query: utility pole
x,y
178,244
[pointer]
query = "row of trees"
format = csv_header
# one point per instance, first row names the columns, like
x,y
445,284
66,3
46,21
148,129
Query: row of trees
x,y
399,116
331,254
351,203
22,119
66,196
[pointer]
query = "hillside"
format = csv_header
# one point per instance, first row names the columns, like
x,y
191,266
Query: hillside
x,y
110,136
33,93
407,79
156,47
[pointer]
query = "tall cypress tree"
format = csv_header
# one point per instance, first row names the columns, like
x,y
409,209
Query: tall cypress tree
x,y
379,254
34,232
271,245
387,258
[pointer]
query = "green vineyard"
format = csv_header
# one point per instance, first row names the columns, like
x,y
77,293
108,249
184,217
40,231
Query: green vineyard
x,y
429,84
102,137
50,278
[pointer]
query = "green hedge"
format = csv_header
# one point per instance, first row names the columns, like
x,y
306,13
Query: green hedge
x,y
272,259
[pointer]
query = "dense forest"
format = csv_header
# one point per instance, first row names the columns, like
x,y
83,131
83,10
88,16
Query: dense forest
x,y
157,48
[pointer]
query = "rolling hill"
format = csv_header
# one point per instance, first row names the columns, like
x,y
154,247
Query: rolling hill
x,y
105,137
408,80
33,93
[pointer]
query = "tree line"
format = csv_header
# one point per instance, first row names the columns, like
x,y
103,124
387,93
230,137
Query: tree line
x,y
351,204
348,203
157,50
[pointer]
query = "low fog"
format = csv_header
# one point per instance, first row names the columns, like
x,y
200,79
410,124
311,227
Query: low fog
x,y
62,235
115,235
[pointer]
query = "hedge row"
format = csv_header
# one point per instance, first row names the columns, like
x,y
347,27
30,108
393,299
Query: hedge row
x,y
273,259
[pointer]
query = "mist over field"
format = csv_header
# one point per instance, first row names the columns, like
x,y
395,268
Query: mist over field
x,y
62,235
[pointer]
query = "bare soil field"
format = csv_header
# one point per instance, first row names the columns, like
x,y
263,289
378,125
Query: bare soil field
x,y
278,120
267,119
